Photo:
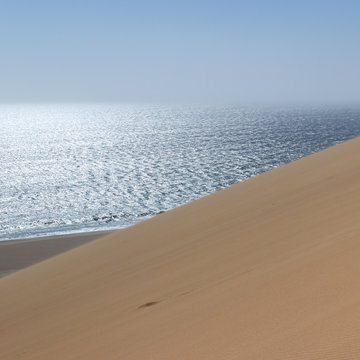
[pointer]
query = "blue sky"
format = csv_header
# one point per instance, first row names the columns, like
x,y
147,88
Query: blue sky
x,y
163,51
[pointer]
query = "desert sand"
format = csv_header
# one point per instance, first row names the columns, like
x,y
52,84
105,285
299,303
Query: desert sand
x,y
266,269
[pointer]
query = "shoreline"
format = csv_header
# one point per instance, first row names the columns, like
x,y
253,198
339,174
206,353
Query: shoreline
x,y
18,254
64,233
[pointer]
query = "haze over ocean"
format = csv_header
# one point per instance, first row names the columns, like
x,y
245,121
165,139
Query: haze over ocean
x,y
227,51
82,167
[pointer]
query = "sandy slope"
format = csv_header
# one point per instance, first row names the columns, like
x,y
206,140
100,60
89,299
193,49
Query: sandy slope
x,y
267,269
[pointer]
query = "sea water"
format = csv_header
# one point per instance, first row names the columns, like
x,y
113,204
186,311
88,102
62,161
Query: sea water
x,y
83,167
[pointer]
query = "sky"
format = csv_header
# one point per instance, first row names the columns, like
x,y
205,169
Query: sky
x,y
225,51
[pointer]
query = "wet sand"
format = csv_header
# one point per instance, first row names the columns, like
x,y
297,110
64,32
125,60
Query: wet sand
x,y
18,254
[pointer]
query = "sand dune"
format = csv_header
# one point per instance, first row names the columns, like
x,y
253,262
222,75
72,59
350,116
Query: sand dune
x,y
266,269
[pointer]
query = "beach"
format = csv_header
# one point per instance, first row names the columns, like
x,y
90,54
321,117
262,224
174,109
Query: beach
x,y
264,269
18,254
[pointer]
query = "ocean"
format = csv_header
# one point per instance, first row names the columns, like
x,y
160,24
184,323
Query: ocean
x,y
68,168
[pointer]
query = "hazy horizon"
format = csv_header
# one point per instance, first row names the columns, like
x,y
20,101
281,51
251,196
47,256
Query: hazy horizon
x,y
235,52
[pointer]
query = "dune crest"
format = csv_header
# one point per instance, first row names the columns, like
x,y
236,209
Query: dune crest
x,y
266,269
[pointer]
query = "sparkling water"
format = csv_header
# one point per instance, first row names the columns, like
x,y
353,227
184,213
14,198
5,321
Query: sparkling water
x,y
83,167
